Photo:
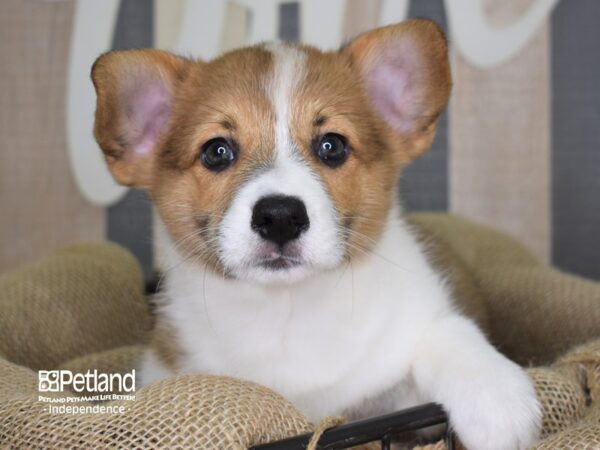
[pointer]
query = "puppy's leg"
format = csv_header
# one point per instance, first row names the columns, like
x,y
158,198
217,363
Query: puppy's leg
x,y
490,400
161,359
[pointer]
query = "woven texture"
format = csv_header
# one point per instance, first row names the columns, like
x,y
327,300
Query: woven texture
x,y
534,313
183,412
569,392
83,308
81,300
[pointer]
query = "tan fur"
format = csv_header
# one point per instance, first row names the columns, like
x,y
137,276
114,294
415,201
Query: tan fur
x,y
164,343
229,97
114,75
361,187
226,97
435,80
333,99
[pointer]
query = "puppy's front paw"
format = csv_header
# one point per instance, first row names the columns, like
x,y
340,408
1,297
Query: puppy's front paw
x,y
498,412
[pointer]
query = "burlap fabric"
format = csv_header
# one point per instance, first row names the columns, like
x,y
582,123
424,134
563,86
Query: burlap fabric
x,y
82,300
532,313
83,308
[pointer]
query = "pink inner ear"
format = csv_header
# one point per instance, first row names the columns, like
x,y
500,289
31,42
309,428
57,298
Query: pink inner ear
x,y
393,86
148,112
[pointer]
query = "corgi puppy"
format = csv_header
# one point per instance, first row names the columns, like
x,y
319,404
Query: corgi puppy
x,y
274,172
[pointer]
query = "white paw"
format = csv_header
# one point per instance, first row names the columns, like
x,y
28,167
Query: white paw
x,y
498,410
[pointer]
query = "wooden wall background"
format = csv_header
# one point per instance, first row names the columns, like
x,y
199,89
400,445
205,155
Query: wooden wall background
x,y
41,208
518,147
500,138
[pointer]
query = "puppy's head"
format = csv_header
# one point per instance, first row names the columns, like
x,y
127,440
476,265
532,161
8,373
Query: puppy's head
x,y
277,161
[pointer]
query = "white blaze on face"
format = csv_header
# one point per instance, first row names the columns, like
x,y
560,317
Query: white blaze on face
x,y
320,247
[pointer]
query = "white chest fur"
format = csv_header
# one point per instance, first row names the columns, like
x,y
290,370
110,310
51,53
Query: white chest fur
x,y
327,343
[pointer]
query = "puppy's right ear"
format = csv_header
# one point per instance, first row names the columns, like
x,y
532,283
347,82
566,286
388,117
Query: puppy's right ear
x,y
135,90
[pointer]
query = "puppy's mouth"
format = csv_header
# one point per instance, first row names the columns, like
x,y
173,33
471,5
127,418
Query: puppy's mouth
x,y
279,262
280,259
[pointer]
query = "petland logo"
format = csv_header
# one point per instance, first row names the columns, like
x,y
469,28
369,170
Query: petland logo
x,y
96,386
91,381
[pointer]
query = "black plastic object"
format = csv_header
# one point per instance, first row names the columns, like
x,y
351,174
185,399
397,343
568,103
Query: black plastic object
x,y
381,428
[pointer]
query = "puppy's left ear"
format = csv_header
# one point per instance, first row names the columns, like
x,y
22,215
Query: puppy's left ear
x,y
406,74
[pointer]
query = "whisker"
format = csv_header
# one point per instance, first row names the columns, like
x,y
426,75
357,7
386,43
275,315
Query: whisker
x,y
205,303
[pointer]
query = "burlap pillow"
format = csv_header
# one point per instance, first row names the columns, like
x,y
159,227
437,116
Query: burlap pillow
x,y
194,411
83,299
83,308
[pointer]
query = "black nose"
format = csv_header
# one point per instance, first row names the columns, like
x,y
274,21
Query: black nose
x,y
279,218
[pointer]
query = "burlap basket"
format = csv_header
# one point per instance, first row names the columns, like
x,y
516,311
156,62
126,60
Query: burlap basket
x,y
83,308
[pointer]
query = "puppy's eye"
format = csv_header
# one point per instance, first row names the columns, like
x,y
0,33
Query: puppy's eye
x,y
332,149
217,154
